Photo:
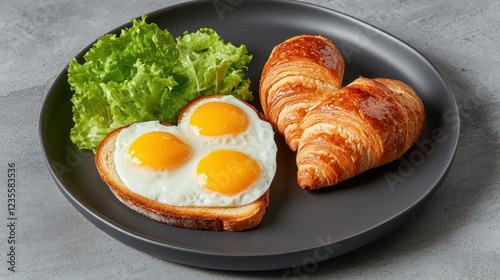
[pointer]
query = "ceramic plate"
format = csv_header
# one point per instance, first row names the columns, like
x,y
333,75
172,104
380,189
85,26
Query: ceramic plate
x,y
299,227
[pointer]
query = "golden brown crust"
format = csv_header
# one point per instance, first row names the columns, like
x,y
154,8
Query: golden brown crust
x,y
237,218
366,124
297,74
337,132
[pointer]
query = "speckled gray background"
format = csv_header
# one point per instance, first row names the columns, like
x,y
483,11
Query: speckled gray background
x,y
455,236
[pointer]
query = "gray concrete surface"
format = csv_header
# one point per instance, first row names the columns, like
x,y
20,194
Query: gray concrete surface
x,y
455,236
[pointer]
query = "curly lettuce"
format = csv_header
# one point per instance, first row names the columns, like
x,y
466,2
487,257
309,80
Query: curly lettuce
x,y
146,74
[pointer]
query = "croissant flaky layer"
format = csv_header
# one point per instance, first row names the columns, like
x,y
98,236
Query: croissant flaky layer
x,y
298,73
363,125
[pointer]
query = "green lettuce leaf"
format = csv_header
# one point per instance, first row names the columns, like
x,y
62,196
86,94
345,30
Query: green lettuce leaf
x,y
147,74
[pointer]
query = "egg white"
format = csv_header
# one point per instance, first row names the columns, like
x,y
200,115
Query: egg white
x,y
180,187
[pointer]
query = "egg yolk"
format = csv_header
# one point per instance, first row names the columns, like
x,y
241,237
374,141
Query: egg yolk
x,y
227,172
159,150
219,118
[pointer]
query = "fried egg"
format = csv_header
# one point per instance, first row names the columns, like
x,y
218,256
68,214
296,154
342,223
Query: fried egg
x,y
221,154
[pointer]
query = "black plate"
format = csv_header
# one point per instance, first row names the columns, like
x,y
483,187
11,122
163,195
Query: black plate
x,y
300,227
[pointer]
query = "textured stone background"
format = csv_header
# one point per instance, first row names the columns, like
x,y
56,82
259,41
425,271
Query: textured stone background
x,y
455,236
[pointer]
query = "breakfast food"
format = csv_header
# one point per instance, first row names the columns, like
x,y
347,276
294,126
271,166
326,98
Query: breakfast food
x,y
337,132
298,73
212,171
147,74
365,124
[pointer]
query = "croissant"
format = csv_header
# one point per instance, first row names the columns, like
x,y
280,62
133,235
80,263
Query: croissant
x,y
366,124
297,75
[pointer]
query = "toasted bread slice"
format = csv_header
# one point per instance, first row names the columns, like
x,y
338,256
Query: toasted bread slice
x,y
236,218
